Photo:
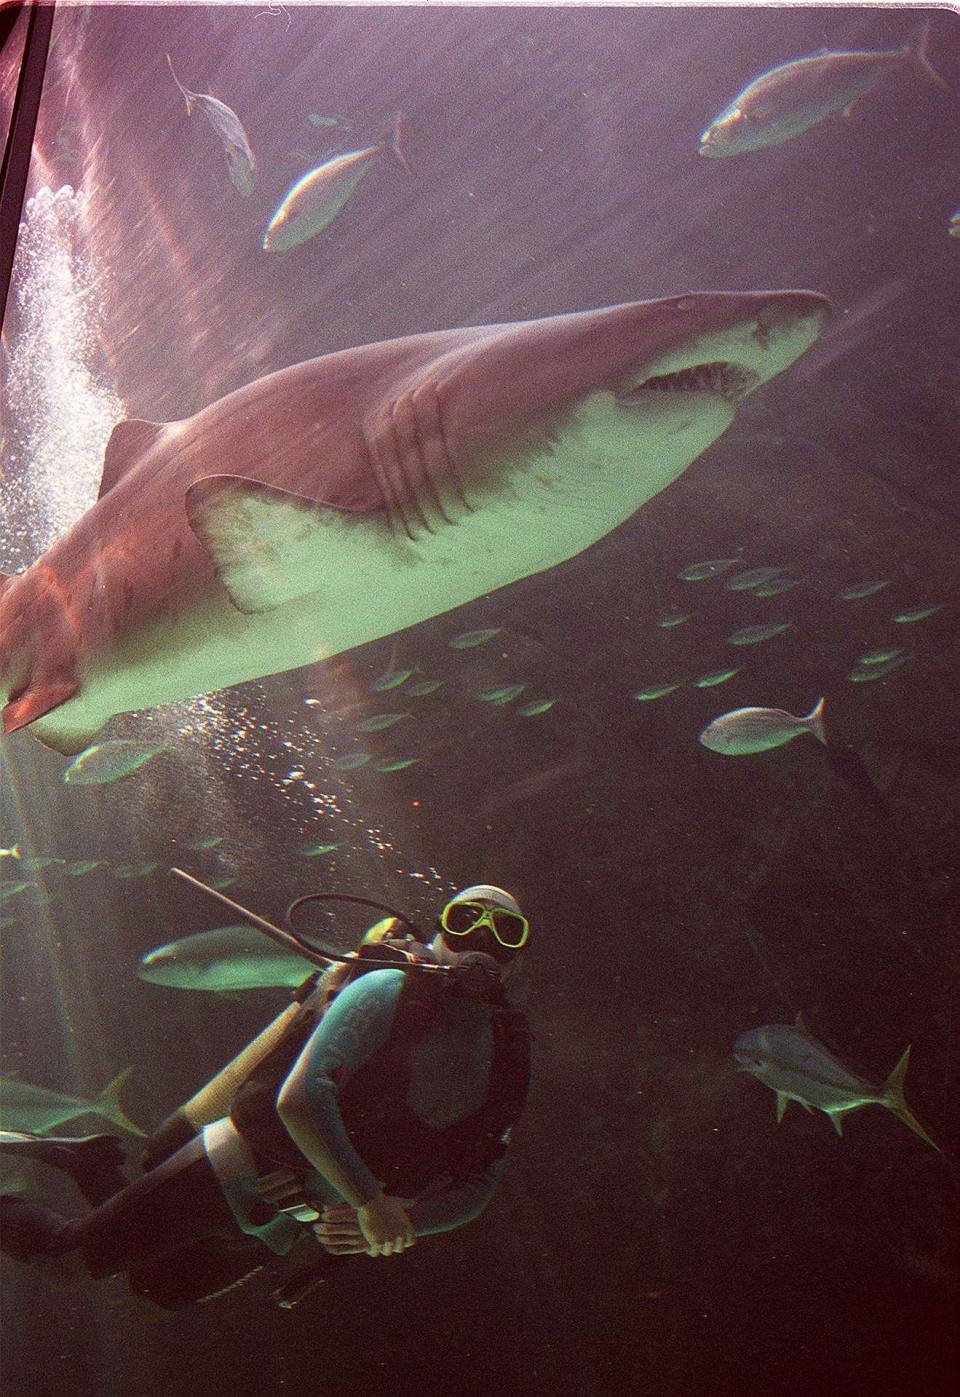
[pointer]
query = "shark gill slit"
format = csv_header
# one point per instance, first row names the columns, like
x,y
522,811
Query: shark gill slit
x,y
381,443
407,460
432,448
412,464
430,402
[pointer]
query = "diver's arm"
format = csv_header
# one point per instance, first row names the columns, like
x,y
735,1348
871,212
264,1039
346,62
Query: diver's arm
x,y
440,1208
449,1205
353,1028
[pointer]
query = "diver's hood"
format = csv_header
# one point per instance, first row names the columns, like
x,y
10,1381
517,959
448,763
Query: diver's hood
x,y
486,892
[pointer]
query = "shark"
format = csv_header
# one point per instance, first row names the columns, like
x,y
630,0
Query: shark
x,y
350,496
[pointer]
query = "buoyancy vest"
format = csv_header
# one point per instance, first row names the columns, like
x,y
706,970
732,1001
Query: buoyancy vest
x,y
396,1145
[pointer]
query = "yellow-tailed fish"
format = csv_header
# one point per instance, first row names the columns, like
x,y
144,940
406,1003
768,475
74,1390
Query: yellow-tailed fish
x,y
745,731
798,1068
790,98
241,163
314,201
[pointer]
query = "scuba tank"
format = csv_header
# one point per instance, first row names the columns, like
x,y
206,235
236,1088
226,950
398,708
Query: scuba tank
x,y
213,1099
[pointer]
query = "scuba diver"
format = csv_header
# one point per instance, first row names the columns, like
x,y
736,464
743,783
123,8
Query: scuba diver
x,y
375,1111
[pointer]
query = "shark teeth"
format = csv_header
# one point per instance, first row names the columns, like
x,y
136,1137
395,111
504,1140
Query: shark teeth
x,y
732,381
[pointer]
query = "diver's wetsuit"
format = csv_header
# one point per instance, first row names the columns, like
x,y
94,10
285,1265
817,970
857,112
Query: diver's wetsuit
x,y
168,1225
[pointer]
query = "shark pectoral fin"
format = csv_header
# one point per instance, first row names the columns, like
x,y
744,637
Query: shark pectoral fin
x,y
266,545
35,701
129,440
782,1103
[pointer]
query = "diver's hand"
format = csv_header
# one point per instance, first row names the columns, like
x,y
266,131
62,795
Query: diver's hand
x,y
339,1230
385,1225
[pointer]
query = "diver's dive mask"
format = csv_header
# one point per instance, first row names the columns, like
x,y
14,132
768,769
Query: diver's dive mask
x,y
487,919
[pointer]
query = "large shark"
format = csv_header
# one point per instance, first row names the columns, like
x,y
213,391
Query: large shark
x,y
345,498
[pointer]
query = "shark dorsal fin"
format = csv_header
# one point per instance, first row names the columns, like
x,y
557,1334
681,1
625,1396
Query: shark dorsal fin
x,y
799,1023
129,440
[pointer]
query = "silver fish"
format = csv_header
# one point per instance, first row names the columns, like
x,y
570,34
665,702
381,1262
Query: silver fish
x,y
710,567
776,587
135,870
377,722
716,676
314,201
13,889
351,761
916,613
424,687
879,657
533,710
228,958
752,635
655,691
745,731
862,589
391,679
468,639
753,577
863,673
241,163
82,866
108,761
35,1109
790,98
503,694
798,1068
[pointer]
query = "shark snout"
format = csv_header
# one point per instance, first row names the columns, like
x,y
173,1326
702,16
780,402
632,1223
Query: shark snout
x,y
743,341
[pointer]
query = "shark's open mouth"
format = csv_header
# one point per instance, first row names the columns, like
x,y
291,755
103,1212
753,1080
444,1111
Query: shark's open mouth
x,y
732,381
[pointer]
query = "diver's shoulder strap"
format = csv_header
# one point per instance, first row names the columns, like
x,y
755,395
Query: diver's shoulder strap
x,y
510,1068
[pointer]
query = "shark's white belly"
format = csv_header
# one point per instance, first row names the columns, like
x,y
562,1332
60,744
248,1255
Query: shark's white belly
x,y
317,582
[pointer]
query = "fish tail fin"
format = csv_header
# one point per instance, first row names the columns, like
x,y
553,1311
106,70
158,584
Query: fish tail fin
x,y
915,52
108,1104
814,721
895,1101
187,96
393,136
